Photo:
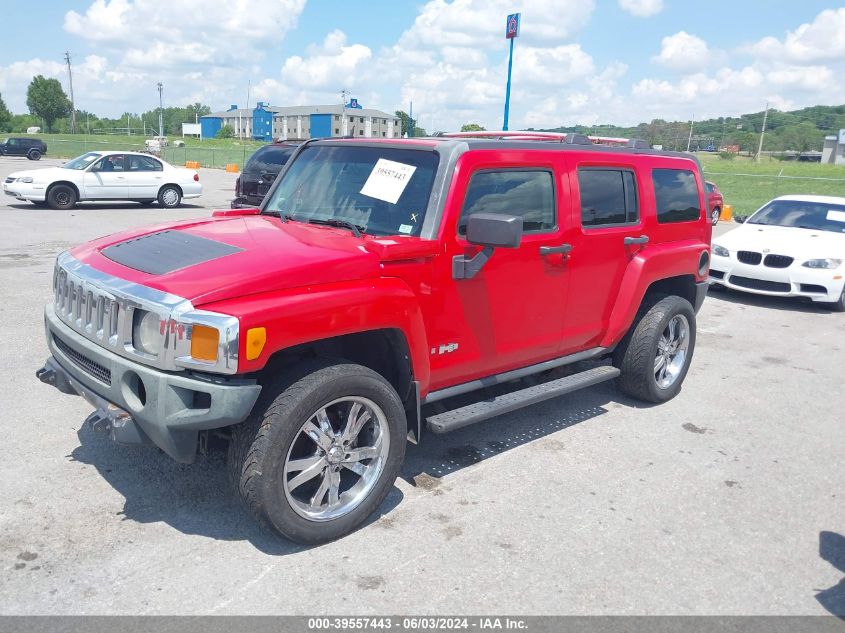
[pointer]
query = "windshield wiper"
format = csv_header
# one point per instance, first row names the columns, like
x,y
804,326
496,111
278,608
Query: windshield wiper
x,y
356,230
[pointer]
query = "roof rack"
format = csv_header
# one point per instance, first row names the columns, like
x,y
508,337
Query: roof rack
x,y
570,138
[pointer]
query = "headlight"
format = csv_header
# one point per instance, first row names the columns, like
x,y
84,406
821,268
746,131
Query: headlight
x,y
822,263
721,251
25,179
146,332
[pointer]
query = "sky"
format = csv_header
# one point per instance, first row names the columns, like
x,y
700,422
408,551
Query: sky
x,y
575,61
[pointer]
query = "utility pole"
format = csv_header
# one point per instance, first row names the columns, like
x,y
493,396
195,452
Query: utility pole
x,y
344,124
691,123
72,102
160,110
762,132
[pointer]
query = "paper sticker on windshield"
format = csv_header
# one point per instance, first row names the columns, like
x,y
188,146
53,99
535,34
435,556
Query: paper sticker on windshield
x,y
388,180
405,228
835,216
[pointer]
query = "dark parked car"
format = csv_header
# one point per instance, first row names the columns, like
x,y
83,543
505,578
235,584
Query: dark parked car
x,y
32,148
259,173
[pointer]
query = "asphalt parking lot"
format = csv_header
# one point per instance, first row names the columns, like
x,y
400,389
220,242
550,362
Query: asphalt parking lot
x,y
726,500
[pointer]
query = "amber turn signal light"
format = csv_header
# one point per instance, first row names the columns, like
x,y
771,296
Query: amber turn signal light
x,y
204,342
256,337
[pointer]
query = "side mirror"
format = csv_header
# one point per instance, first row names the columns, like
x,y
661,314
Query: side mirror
x,y
739,219
489,230
493,229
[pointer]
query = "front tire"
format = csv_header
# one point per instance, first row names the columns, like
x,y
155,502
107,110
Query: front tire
x,y
61,197
320,451
170,197
837,306
655,355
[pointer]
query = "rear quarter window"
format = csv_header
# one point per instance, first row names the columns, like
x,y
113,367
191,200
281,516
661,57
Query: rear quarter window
x,y
675,195
269,158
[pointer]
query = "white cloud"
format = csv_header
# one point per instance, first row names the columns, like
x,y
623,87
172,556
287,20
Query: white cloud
x,y
327,67
821,40
683,51
642,8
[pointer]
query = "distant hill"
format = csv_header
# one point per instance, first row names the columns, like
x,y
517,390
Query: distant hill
x,y
798,130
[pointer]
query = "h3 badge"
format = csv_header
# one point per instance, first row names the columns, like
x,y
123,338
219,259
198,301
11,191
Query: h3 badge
x,y
445,348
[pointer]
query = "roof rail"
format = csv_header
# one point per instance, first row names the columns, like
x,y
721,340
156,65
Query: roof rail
x,y
571,138
638,143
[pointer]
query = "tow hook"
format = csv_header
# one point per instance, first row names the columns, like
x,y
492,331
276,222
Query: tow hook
x,y
46,375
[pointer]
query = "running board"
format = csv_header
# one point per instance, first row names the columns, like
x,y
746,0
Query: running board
x,y
478,411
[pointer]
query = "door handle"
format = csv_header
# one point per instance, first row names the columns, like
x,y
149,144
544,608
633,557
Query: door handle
x,y
642,239
563,249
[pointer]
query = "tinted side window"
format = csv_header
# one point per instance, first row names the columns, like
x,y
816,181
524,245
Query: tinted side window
x,y
269,159
525,194
608,196
676,195
143,163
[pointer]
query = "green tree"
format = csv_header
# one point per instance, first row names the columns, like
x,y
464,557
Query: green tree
x,y
406,124
5,117
227,131
46,99
472,127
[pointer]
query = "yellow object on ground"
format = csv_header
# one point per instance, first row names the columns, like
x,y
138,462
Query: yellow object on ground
x,y
727,212
232,167
192,164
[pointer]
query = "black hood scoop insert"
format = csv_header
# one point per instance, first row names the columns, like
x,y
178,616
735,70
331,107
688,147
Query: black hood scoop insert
x,y
166,251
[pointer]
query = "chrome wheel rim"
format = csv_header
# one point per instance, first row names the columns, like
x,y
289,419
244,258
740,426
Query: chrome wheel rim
x,y
714,216
336,458
170,197
672,349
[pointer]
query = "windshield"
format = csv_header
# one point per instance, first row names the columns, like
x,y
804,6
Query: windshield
x,y
81,162
818,216
269,159
383,191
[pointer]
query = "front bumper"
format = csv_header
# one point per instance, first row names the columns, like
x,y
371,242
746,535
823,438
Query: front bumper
x,y
793,281
25,190
138,404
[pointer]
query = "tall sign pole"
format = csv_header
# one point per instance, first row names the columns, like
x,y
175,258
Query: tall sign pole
x,y
511,33
160,110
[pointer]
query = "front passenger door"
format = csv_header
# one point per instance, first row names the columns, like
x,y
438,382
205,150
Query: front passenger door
x,y
510,314
106,180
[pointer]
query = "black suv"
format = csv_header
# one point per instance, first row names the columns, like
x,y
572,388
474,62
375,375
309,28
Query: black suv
x,y
32,148
259,173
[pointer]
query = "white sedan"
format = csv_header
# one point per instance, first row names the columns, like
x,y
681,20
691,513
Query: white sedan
x,y
794,246
105,176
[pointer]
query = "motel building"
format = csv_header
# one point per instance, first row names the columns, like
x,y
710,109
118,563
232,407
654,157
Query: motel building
x,y
268,123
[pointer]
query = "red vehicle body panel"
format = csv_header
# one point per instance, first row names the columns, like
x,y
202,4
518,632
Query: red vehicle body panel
x,y
305,282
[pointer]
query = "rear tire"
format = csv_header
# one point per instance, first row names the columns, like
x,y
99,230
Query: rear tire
x,y
61,197
34,154
170,196
655,354
714,216
268,452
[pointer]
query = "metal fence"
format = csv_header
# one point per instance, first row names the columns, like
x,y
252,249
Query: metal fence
x,y
747,192
217,157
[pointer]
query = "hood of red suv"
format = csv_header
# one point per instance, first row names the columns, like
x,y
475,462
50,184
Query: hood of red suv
x,y
243,255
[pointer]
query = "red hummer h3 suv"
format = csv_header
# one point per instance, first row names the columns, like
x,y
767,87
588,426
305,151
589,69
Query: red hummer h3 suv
x,y
377,278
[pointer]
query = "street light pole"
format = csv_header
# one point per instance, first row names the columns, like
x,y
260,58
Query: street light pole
x,y
160,110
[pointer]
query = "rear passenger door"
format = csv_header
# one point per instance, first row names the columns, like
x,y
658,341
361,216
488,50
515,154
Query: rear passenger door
x,y
606,197
143,176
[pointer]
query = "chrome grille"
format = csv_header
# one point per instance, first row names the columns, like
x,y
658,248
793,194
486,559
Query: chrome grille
x,y
87,309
